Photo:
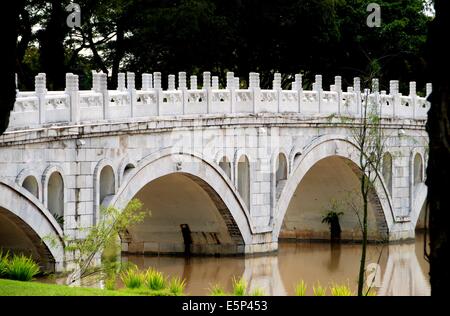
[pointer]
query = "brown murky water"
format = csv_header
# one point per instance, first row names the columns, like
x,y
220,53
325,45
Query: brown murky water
x,y
395,269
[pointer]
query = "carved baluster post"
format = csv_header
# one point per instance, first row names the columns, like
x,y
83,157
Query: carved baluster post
x,y
231,88
41,90
276,85
338,90
207,88
317,86
72,89
147,83
131,87
376,94
102,81
193,82
299,88
121,82
157,87
182,86
357,92
413,96
255,89
393,91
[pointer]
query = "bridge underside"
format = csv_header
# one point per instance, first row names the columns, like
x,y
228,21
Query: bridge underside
x,y
187,217
330,181
17,237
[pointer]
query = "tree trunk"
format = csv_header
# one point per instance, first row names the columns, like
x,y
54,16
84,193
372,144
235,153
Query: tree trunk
x,y
438,170
9,27
52,53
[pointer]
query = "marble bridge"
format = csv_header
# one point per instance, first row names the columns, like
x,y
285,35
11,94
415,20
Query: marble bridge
x,y
242,167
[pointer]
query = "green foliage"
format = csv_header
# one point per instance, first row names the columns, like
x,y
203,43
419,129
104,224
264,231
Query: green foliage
x,y
258,292
21,268
217,290
318,290
300,288
155,280
132,278
177,286
110,283
59,219
4,261
239,287
101,237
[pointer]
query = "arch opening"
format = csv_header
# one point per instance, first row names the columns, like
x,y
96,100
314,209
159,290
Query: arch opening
x,y
107,182
418,169
183,208
387,171
243,179
31,185
55,197
280,173
331,184
17,237
225,164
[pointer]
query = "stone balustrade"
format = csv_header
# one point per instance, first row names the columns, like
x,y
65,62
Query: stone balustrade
x,y
73,106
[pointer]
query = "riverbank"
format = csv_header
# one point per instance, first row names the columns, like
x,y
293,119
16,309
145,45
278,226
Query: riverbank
x,y
19,288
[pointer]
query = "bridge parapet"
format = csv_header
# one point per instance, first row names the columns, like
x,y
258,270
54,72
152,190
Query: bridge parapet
x,y
74,106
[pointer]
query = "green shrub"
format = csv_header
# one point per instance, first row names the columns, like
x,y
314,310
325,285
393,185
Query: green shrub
x,y
217,290
239,287
21,268
155,280
300,289
176,286
132,278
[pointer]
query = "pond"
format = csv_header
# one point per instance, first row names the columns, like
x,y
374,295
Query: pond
x,y
397,269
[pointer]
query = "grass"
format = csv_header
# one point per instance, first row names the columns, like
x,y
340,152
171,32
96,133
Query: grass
x,y
155,280
217,290
20,288
132,278
239,287
4,262
300,289
319,290
258,292
341,290
177,286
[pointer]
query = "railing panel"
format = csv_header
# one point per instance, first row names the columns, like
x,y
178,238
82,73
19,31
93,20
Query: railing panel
x,y
196,102
171,103
57,107
146,104
289,101
91,105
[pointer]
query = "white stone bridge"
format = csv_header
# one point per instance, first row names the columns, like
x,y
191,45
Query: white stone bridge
x,y
241,167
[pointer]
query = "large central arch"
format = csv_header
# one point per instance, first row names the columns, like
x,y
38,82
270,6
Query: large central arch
x,y
26,227
161,180
343,151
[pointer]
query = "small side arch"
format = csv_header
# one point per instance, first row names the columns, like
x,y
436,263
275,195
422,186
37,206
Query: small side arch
x,y
243,176
29,179
104,172
24,214
54,190
124,169
294,157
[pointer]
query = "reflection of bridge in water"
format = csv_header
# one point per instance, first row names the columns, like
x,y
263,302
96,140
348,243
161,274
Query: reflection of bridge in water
x,y
403,270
